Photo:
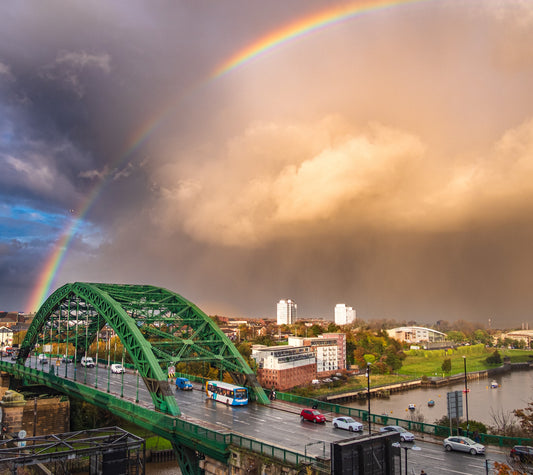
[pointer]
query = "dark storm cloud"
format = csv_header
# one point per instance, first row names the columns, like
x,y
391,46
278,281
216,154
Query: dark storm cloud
x,y
384,161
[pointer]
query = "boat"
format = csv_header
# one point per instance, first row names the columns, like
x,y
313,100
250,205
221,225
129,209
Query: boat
x,y
411,407
431,403
494,384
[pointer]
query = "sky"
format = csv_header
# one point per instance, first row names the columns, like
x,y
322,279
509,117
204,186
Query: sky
x,y
377,154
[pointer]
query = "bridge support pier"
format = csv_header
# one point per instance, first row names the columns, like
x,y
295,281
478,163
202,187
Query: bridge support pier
x,y
188,460
37,416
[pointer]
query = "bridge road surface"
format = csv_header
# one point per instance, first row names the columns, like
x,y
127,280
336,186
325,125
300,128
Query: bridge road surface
x,y
279,424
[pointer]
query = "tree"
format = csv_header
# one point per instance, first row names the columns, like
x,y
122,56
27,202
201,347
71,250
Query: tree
x,y
494,359
315,330
525,417
456,336
446,365
333,328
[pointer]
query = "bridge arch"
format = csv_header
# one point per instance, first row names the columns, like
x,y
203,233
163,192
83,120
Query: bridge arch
x,y
157,327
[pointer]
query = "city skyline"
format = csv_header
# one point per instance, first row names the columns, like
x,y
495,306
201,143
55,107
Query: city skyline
x,y
368,152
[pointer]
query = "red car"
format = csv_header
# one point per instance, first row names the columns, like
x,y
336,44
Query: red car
x,y
312,415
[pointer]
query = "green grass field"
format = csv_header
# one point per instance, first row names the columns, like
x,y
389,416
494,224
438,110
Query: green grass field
x,y
429,362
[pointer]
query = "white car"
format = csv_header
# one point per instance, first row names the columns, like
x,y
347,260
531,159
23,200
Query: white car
x,y
405,436
43,359
117,368
347,423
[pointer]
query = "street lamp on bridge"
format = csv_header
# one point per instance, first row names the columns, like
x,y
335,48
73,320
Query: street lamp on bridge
x,y
368,397
466,398
406,448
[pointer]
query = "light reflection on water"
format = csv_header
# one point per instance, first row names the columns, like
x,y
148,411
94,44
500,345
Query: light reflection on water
x,y
515,391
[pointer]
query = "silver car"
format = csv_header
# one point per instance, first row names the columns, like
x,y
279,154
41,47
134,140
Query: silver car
x,y
463,444
347,423
405,436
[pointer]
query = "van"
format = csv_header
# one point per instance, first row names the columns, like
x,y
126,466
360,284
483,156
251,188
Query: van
x,y
117,368
184,384
87,361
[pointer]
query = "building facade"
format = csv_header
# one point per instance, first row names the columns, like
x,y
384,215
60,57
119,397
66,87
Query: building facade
x,y
325,350
416,334
341,347
344,315
284,367
286,312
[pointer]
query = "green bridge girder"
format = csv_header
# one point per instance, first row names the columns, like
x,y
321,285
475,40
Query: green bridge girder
x,y
157,327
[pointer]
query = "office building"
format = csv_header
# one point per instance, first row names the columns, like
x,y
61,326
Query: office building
x,y
344,315
286,312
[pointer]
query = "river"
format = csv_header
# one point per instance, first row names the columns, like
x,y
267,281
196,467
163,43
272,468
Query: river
x,y
515,391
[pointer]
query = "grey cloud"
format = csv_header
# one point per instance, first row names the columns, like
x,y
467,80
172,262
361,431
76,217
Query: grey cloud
x,y
383,161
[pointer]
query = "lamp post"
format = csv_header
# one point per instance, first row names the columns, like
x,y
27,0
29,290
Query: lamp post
x,y
368,397
406,448
466,398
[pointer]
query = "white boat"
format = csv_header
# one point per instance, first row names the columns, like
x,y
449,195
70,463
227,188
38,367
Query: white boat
x,y
412,407
494,384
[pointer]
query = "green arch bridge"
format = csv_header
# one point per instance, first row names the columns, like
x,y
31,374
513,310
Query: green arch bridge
x,y
159,329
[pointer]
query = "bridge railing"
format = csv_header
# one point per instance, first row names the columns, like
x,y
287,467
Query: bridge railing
x,y
213,442
268,450
415,426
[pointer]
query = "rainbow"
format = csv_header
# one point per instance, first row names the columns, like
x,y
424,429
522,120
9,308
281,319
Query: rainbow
x,y
298,28
53,262
303,26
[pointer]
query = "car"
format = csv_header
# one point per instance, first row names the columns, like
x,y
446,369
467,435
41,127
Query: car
x,y
184,384
463,444
524,453
405,436
87,361
117,368
43,359
347,423
312,415
67,359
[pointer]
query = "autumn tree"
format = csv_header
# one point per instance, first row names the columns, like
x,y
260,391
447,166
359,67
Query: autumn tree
x,y
525,417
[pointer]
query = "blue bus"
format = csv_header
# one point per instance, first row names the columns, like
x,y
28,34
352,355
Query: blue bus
x,y
227,393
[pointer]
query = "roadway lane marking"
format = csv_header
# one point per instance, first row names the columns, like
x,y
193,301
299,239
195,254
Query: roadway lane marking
x,y
256,418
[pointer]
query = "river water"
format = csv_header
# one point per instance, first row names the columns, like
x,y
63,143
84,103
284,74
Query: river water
x,y
515,391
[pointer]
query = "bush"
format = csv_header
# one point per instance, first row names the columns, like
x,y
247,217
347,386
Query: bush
x,y
494,359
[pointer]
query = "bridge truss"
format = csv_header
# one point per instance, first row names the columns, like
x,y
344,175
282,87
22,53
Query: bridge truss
x,y
157,328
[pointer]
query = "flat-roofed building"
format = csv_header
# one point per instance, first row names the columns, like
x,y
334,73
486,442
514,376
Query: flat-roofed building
x,y
521,335
344,315
341,347
416,334
326,351
284,367
286,312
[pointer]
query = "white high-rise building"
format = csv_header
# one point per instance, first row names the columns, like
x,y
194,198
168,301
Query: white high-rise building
x,y
286,312
344,315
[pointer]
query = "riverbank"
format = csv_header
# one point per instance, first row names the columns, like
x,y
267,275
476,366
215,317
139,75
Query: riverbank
x,y
433,382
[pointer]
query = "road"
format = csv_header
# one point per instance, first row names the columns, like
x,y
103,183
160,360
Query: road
x,y
280,424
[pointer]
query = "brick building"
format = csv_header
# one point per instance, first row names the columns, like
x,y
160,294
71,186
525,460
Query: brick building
x,y
284,367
